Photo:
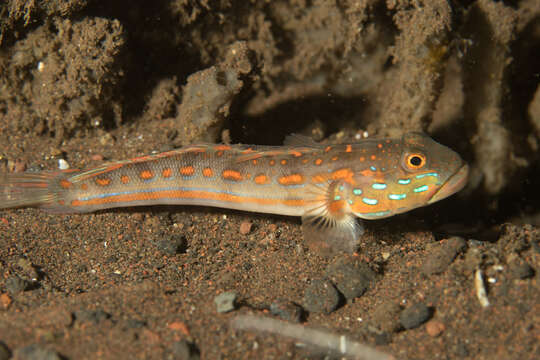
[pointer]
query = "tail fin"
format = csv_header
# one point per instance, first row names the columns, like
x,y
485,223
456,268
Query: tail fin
x,y
21,190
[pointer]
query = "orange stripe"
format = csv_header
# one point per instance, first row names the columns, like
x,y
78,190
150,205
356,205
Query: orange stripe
x,y
348,148
171,194
124,179
222,147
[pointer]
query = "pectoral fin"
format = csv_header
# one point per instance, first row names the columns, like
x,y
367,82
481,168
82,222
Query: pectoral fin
x,y
330,226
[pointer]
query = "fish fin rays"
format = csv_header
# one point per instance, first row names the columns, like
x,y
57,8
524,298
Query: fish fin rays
x,y
329,226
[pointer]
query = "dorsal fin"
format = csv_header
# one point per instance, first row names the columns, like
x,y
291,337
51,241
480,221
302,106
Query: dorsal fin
x,y
300,140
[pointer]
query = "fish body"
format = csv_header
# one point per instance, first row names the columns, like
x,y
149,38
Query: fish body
x,y
327,185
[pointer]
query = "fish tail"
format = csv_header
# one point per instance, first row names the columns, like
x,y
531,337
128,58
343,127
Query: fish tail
x,y
32,190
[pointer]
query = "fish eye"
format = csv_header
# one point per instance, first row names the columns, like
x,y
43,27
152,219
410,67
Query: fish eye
x,y
415,161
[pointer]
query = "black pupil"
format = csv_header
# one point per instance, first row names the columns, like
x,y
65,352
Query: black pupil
x,y
416,161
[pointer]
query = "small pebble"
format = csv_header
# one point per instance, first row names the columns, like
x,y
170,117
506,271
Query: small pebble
x,y
225,301
286,310
63,164
321,297
441,255
184,350
174,244
521,270
414,316
245,227
435,328
35,352
5,301
386,317
5,353
97,157
15,284
351,276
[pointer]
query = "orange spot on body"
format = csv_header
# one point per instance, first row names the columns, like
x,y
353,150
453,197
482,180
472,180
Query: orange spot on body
x,y
254,161
348,148
166,173
343,174
84,186
283,162
146,174
219,153
379,145
61,202
318,161
232,175
293,179
65,184
262,179
124,179
373,157
362,158
208,172
327,149
187,170
103,181
272,162
334,158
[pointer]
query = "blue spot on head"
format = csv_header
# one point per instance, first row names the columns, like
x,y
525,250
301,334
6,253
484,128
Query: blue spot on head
x,y
379,186
341,188
421,176
373,215
337,197
404,181
397,196
350,202
373,168
370,201
357,191
420,189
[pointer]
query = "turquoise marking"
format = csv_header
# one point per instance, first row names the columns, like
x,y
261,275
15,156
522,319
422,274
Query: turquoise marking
x,y
341,188
421,176
404,181
397,196
350,202
357,191
379,186
375,214
337,197
420,189
370,201
373,168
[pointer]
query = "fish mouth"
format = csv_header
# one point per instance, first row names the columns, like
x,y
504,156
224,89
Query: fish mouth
x,y
454,183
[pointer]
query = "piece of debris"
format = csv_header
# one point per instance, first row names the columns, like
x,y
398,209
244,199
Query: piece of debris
x,y
338,344
480,288
225,301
